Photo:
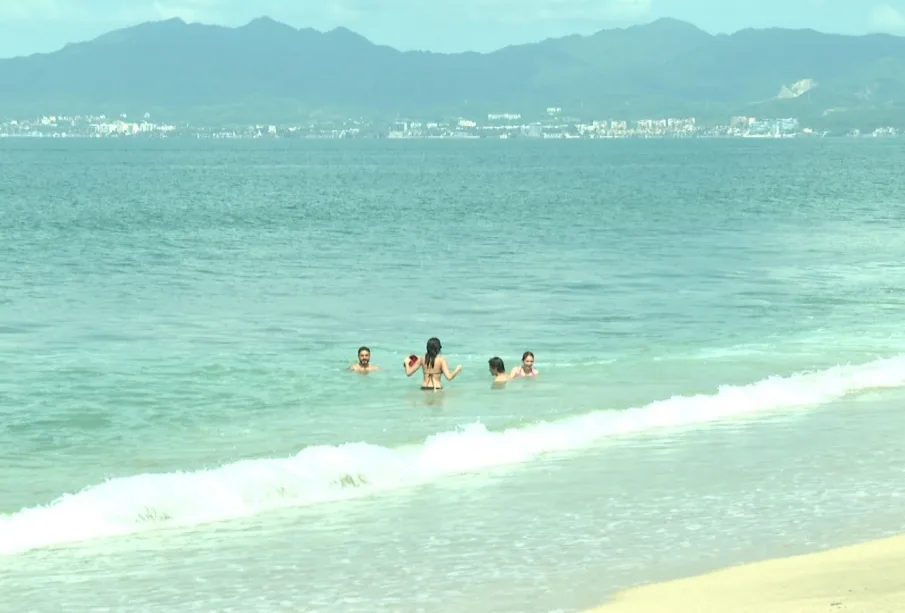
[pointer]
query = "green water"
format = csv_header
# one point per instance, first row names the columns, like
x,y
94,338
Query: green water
x,y
168,308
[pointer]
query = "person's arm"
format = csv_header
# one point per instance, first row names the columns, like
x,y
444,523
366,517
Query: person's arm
x,y
411,368
444,366
513,372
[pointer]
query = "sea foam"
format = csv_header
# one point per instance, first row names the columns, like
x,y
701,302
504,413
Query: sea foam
x,y
320,474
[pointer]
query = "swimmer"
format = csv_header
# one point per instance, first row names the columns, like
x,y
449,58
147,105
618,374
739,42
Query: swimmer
x,y
364,365
526,369
433,364
498,372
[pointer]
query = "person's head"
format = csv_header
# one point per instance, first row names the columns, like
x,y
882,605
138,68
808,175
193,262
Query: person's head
x,y
433,350
364,356
496,366
528,360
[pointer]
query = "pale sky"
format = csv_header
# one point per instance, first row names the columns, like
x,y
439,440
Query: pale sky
x,y
29,26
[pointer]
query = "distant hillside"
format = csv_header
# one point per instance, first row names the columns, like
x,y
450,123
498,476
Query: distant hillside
x,y
269,71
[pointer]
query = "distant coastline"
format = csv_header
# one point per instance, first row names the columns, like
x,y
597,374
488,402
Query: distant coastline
x,y
553,125
752,81
611,84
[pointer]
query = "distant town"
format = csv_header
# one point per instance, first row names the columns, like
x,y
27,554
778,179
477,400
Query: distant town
x,y
554,124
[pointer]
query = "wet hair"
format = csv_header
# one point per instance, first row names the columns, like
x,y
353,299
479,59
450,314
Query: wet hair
x,y
496,365
360,349
526,354
433,349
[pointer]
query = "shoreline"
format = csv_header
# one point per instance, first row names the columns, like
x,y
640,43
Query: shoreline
x,y
865,578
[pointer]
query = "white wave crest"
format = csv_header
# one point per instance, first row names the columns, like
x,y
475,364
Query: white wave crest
x,y
329,473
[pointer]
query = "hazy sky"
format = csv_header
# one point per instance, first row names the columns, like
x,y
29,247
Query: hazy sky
x,y
28,26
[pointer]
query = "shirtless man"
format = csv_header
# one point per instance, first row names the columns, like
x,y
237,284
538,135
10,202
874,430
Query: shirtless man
x,y
364,365
498,372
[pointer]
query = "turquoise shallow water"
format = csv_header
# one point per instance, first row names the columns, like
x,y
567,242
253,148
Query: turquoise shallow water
x,y
717,324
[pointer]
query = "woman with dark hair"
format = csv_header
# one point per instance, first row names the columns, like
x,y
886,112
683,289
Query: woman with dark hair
x,y
433,364
527,367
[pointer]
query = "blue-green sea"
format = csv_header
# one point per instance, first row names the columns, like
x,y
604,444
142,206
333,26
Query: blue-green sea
x,y
719,327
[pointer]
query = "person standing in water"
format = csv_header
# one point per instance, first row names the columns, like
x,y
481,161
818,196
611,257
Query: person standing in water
x,y
527,367
434,366
364,365
498,371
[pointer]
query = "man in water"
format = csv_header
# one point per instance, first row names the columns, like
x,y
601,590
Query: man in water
x,y
364,365
498,372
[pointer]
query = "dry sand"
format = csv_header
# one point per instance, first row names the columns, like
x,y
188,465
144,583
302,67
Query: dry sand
x,y
866,578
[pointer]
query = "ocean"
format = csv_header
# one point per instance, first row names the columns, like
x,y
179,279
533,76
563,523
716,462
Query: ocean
x,y
718,327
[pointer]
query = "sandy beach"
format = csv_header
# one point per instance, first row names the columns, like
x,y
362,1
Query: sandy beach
x,y
868,578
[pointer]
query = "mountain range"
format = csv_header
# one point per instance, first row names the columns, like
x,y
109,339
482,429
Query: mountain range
x,y
269,71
